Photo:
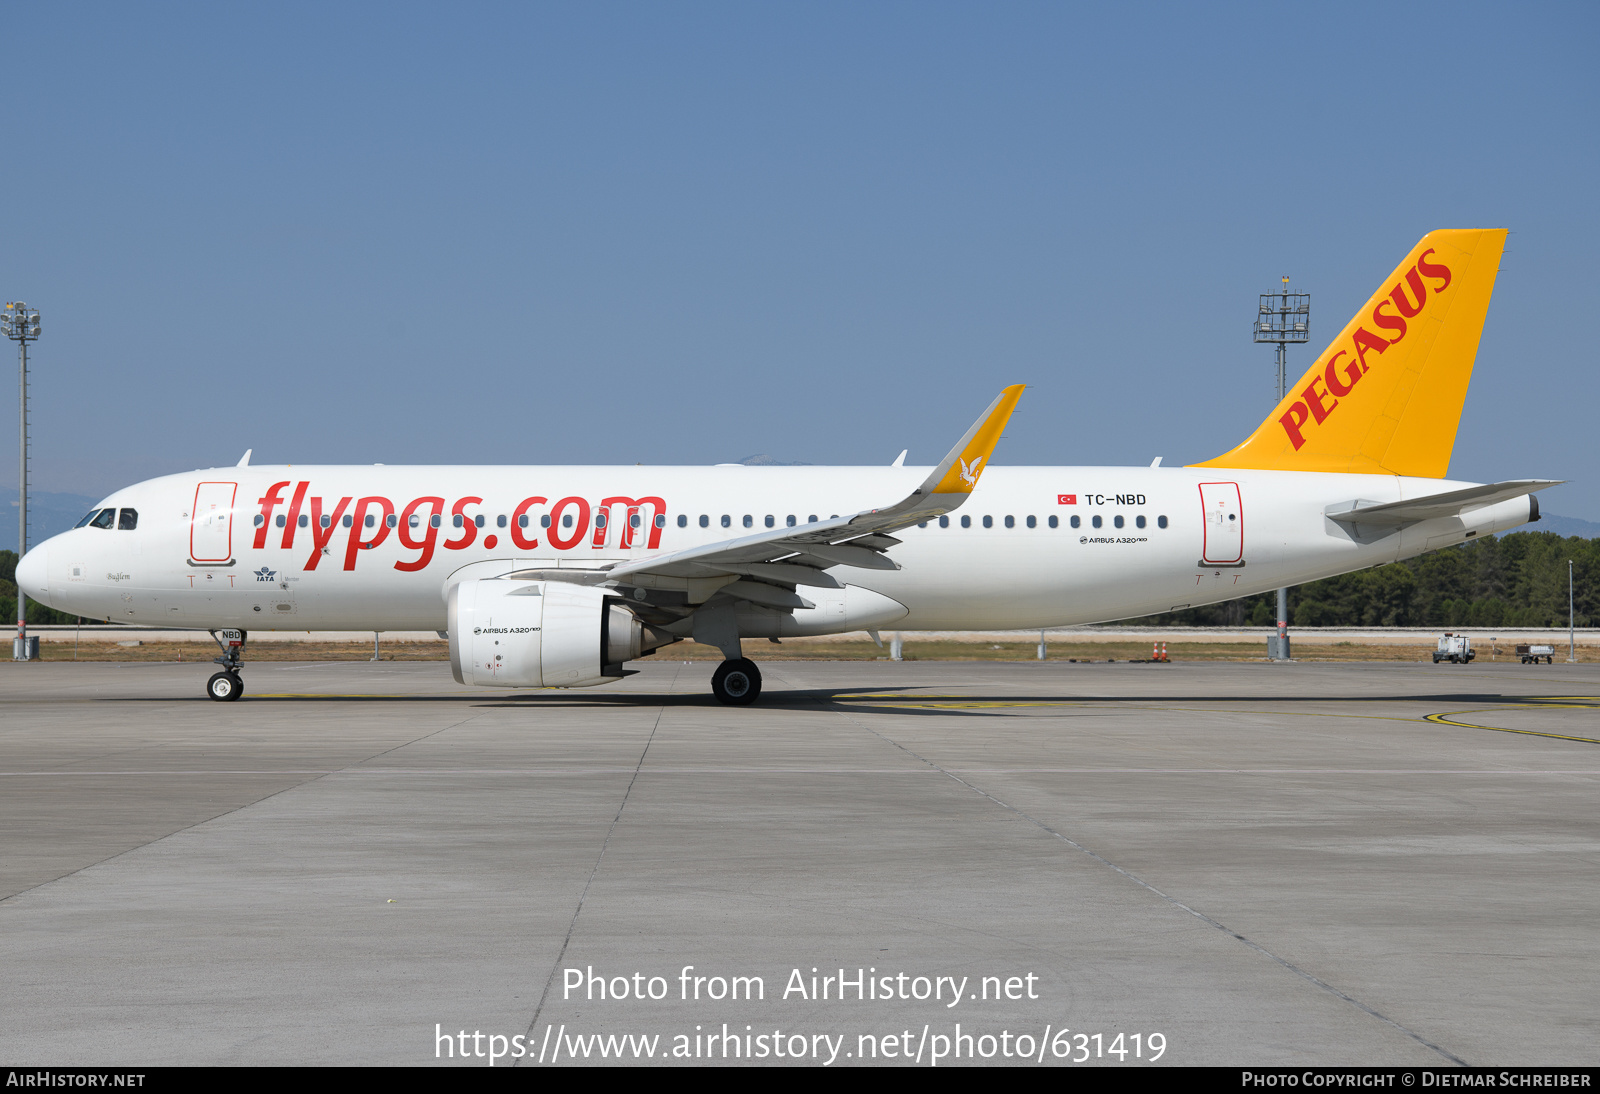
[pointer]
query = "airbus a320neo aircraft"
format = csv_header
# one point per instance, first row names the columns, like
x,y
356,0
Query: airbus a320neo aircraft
x,y
559,576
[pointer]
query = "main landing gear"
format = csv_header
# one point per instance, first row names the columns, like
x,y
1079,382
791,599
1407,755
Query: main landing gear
x,y
736,682
227,685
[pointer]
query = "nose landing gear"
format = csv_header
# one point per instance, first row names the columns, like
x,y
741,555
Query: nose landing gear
x,y
227,685
736,682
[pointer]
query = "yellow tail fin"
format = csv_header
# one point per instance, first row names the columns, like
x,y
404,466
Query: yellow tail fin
x,y
1385,397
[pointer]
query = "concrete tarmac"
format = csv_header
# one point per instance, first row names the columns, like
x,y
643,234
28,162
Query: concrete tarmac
x,y
1243,863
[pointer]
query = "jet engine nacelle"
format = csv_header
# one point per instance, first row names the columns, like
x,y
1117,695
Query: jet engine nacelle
x,y
531,634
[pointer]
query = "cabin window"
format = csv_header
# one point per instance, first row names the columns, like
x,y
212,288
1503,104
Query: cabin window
x,y
683,520
566,520
1161,522
749,521
458,520
661,520
305,521
128,520
500,521
633,520
348,520
1011,522
1097,521
944,522
812,519
727,521
600,519
922,524
1138,521
435,521
393,521
966,522
705,521
771,520
326,520
988,522
413,521
371,521
1117,520
522,520
478,520
544,520
282,520
1033,522
259,520
789,520
1055,522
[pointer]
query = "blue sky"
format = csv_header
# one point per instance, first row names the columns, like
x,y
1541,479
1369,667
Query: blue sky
x,y
689,233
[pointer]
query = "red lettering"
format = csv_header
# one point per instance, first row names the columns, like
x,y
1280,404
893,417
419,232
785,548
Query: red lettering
x,y
1389,322
429,538
1292,421
1401,301
320,534
1331,375
469,527
294,515
524,543
268,504
625,540
1434,269
1366,340
565,543
357,542
1313,399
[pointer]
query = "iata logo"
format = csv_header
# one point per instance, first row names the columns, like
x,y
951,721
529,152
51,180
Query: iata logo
x,y
1407,300
1066,499
265,574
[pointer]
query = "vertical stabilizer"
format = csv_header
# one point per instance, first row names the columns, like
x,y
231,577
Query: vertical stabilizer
x,y
1386,396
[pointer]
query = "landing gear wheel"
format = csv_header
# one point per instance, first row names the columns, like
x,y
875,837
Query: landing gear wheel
x,y
224,687
736,682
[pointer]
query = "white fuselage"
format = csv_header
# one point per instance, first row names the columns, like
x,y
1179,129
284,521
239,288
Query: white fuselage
x,y
207,550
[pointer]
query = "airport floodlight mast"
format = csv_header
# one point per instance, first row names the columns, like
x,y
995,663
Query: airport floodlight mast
x,y
21,324
1283,317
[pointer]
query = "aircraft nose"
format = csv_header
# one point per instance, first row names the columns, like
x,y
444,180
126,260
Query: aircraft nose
x,y
33,572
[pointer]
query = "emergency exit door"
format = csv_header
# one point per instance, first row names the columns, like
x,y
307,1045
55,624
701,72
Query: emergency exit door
x,y
211,522
1224,524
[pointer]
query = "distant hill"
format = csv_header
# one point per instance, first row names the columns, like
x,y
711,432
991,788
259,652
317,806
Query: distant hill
x,y
48,514
1564,526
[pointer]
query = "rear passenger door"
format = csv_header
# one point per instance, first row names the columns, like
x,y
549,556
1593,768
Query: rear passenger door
x,y
1223,544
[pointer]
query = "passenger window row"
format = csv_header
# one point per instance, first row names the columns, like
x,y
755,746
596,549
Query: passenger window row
x,y
1054,522
457,520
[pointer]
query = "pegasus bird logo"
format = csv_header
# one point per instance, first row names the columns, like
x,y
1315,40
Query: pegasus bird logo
x,y
969,474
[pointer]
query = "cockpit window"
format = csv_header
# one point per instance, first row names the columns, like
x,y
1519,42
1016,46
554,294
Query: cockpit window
x,y
104,519
128,520
87,517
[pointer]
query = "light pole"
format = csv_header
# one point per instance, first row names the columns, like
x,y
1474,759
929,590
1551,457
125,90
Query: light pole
x,y
1283,317
1572,646
21,324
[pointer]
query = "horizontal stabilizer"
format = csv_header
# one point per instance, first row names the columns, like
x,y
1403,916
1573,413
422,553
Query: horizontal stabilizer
x,y
1449,504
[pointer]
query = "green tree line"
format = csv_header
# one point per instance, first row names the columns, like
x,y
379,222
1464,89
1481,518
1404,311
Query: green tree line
x,y
1517,580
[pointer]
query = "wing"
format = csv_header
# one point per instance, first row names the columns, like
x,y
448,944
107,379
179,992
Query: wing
x,y
765,568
